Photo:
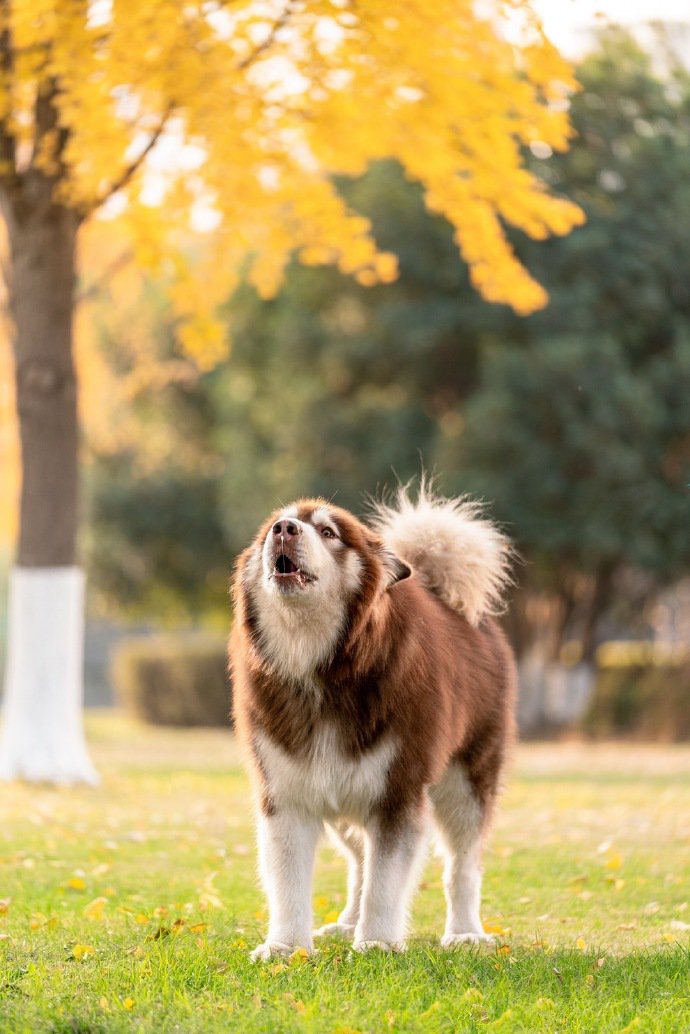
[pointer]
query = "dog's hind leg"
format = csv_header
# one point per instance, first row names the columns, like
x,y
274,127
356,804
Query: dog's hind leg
x,y
350,842
460,820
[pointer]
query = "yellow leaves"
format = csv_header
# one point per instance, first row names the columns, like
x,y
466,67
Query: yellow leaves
x,y
295,1003
434,1007
208,896
5,905
472,995
331,916
39,921
77,883
502,1020
94,909
630,1027
81,952
298,957
496,927
128,1004
255,143
581,944
613,860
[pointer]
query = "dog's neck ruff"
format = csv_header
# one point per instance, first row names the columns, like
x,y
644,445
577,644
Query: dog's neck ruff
x,y
297,638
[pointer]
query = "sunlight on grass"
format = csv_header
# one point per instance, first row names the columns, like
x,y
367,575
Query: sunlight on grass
x,y
131,907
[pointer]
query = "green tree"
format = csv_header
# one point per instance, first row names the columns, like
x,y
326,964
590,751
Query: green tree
x,y
582,436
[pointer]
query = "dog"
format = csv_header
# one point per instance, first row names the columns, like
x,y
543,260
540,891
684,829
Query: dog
x,y
373,692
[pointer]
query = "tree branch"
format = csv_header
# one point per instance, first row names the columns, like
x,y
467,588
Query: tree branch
x,y
279,24
8,173
94,289
130,171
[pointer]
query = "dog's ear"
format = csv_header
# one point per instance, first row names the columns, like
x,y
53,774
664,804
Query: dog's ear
x,y
396,569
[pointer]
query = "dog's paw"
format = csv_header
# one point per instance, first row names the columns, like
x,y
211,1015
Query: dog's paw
x,y
346,930
363,946
456,940
272,949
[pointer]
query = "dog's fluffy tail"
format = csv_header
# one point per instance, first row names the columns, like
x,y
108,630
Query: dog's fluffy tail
x,y
458,554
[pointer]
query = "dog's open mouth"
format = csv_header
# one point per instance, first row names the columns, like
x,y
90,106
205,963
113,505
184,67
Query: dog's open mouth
x,y
286,572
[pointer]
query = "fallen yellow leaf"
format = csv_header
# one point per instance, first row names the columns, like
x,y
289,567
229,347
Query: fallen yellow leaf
x,y
76,883
580,944
94,909
83,951
472,994
128,1003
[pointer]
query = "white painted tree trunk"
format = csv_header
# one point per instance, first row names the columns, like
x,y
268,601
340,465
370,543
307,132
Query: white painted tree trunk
x,y
42,737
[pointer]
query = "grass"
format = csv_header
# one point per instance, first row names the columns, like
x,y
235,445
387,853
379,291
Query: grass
x,y
132,907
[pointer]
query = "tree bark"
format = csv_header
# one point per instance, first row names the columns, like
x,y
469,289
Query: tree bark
x,y
42,735
42,239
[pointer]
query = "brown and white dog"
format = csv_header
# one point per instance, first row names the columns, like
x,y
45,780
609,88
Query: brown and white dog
x,y
373,691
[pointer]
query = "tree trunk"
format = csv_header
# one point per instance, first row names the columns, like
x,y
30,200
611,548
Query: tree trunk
x,y
42,738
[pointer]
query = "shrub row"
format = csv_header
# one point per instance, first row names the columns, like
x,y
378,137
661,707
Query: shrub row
x,y
178,679
642,691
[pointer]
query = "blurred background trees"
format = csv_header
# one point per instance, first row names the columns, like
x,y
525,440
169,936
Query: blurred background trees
x,y
573,423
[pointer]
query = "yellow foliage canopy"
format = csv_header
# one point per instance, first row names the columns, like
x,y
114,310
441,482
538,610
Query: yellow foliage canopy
x,y
242,113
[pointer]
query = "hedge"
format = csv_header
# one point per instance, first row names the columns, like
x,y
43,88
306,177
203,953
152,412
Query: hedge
x,y
178,679
642,691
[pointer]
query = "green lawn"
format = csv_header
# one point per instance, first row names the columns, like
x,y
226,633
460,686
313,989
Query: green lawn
x,y
132,907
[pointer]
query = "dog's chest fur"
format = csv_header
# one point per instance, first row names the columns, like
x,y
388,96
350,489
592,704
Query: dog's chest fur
x,y
323,781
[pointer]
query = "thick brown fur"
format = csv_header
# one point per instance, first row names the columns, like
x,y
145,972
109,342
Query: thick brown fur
x,y
405,664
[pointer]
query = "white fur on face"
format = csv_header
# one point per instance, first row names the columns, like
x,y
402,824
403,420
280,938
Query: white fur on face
x,y
300,628
326,783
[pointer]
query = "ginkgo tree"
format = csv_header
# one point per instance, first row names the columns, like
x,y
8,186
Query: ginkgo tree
x,y
231,118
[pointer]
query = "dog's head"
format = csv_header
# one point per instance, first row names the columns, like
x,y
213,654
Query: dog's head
x,y
311,568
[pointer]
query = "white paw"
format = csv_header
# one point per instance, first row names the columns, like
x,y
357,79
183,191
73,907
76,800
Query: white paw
x,y
379,946
336,930
454,940
271,949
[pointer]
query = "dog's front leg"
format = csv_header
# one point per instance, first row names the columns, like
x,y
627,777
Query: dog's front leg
x,y
393,853
287,844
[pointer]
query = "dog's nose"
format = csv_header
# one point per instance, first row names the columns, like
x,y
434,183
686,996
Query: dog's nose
x,y
286,529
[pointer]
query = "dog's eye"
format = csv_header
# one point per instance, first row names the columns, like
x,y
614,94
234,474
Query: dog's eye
x,y
327,533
